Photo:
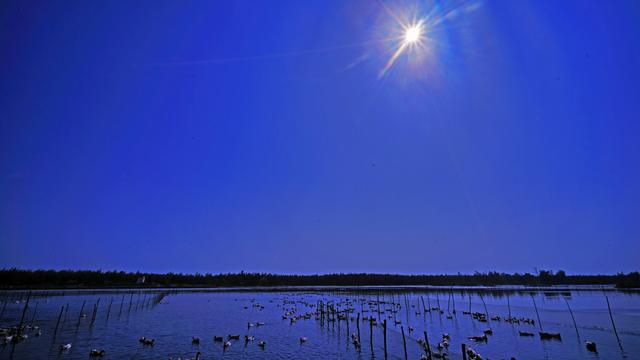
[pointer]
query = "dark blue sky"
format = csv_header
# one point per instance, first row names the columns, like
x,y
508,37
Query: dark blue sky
x,y
259,135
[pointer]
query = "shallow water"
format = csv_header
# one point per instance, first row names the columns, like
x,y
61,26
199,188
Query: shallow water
x,y
173,317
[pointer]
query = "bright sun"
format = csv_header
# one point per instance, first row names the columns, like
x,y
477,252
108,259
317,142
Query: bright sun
x,y
413,34
411,39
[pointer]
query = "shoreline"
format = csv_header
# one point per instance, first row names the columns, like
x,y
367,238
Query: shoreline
x,y
322,288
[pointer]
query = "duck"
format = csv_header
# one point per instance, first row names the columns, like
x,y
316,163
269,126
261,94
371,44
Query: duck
x,y
488,332
550,336
248,338
97,353
259,323
410,328
482,338
146,341
591,346
439,355
262,343
524,333
218,338
250,325
65,347
227,344
303,339
195,340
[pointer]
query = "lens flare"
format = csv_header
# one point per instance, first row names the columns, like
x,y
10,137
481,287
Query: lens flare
x,y
413,34
412,39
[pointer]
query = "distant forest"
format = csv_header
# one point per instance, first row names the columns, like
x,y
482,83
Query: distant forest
x,y
17,278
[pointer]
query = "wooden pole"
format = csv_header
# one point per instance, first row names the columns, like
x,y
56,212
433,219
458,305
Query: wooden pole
x,y
95,311
59,317
537,314
384,326
509,306
24,312
611,316
404,343
378,304
371,334
35,309
572,318
486,312
464,351
453,301
426,341
358,324
109,309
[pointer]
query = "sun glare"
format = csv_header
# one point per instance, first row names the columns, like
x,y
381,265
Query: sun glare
x,y
413,34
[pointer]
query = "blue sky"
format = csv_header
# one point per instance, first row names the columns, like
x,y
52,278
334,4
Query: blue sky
x,y
260,136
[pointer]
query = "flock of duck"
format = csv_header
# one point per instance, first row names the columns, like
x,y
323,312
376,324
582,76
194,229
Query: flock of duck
x,y
370,311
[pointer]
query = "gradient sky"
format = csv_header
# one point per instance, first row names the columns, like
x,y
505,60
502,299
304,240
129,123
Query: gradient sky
x,y
259,136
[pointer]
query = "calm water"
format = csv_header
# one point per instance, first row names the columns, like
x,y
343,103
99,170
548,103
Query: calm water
x,y
173,317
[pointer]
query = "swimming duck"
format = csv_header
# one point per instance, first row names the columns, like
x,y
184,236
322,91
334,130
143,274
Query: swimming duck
x,y
97,353
482,338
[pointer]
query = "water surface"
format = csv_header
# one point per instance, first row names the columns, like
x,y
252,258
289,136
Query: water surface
x,y
173,317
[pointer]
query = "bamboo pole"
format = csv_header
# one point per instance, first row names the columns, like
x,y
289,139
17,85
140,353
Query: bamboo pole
x,y
358,324
486,312
59,317
537,314
404,343
453,301
611,316
95,310
426,341
35,310
384,326
371,334
109,309
572,318
24,312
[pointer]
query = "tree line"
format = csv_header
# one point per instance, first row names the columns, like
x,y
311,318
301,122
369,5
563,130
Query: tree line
x,y
19,278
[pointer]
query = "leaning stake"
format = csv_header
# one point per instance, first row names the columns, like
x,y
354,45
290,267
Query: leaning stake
x,y
611,316
404,343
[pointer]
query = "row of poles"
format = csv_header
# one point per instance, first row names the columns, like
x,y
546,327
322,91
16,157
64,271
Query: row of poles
x,y
146,302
